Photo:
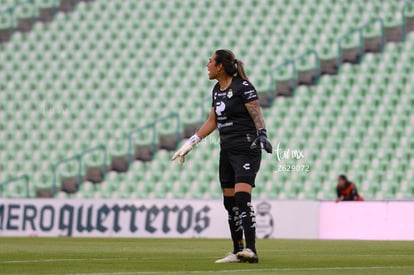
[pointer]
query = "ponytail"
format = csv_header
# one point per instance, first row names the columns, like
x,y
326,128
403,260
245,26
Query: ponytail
x,y
231,65
240,70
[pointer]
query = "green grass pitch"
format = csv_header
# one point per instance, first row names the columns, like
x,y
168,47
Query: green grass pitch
x,y
196,256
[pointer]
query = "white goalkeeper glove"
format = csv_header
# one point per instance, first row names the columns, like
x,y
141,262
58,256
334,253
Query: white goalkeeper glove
x,y
188,145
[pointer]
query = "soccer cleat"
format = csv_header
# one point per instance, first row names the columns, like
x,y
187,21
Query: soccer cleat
x,y
229,258
247,255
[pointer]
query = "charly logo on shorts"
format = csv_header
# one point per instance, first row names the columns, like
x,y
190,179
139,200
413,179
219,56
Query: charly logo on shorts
x,y
246,166
264,221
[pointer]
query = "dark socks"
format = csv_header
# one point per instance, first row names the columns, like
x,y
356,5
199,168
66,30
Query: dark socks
x,y
235,225
248,218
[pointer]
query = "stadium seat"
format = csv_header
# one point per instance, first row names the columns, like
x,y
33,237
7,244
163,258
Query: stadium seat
x,y
109,67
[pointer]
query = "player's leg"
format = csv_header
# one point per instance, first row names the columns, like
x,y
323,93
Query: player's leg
x,y
248,219
226,176
246,165
236,229
235,225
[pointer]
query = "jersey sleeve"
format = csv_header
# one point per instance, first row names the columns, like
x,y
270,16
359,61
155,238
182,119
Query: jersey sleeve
x,y
247,92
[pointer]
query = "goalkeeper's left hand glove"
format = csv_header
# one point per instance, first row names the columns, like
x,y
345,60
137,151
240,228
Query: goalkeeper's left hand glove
x,y
186,148
262,141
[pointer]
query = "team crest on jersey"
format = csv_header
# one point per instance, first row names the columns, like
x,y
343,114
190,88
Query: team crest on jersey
x,y
230,93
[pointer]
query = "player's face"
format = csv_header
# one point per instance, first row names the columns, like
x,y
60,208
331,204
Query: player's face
x,y
212,68
341,182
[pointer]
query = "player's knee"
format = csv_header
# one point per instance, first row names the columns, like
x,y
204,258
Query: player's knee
x,y
243,200
229,203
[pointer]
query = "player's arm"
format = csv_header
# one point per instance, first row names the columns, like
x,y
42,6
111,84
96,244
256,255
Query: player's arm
x,y
253,107
207,128
339,196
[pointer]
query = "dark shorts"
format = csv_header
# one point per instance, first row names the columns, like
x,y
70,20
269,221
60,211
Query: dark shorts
x,y
238,166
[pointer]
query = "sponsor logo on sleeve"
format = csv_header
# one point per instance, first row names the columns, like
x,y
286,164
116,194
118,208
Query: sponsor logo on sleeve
x,y
250,94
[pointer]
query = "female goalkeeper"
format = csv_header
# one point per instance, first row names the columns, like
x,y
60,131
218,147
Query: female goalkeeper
x,y
236,114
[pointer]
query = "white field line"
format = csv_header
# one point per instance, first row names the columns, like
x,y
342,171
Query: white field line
x,y
60,260
156,258
344,268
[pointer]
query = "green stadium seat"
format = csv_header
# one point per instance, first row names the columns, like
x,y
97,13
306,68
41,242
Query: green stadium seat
x,y
106,69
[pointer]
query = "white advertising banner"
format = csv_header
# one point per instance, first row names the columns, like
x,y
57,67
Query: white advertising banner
x,y
151,218
107,218
381,220
401,220
291,219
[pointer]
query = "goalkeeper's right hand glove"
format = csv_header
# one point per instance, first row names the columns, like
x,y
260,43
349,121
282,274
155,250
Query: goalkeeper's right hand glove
x,y
188,145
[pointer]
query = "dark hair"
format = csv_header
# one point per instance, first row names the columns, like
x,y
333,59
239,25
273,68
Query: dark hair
x,y
231,65
343,177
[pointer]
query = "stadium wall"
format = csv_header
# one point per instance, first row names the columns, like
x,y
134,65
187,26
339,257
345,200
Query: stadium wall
x,y
204,219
